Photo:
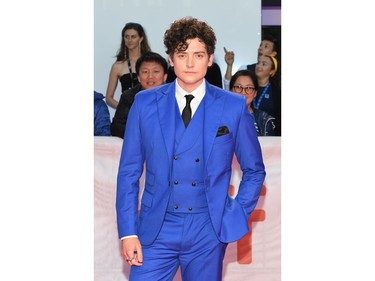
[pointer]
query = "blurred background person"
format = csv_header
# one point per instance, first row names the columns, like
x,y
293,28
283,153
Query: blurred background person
x,y
134,43
269,91
102,121
268,46
244,82
151,69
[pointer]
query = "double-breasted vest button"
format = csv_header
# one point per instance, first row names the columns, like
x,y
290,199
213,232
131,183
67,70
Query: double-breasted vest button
x,y
175,182
175,157
190,208
176,207
197,160
193,184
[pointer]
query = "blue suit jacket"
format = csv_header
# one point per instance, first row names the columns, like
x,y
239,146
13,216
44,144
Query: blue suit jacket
x,y
149,138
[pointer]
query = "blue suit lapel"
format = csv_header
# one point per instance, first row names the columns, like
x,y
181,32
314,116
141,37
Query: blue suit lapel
x,y
166,104
214,106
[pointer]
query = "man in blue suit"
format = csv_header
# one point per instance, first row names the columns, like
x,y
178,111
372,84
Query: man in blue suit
x,y
185,134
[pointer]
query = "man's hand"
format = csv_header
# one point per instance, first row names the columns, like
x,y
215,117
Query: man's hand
x,y
229,57
132,251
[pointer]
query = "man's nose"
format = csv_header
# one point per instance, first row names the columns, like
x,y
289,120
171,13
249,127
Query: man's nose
x,y
190,61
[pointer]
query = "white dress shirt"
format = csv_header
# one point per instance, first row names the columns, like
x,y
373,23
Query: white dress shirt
x,y
198,94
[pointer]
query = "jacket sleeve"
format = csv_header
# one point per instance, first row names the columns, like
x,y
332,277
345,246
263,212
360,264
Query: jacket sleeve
x,y
129,172
249,156
102,120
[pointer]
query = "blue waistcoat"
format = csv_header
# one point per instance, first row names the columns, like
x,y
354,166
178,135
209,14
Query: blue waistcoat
x,y
187,177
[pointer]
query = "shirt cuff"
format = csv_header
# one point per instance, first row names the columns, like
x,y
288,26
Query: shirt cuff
x,y
129,236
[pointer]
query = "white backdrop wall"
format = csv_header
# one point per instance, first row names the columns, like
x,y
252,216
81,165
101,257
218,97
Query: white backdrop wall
x,y
237,25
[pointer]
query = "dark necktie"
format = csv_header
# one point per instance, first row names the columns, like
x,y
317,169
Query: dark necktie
x,y
186,112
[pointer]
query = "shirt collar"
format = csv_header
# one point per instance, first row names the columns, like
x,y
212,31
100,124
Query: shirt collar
x,y
198,93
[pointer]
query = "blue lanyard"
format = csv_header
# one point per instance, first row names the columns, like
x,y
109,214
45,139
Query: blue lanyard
x,y
256,105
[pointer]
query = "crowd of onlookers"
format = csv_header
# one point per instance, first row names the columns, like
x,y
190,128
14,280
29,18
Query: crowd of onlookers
x,y
137,68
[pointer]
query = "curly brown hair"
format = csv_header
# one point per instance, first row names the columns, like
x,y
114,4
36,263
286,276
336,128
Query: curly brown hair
x,y
188,28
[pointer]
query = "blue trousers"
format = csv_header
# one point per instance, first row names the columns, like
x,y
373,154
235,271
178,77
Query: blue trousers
x,y
185,240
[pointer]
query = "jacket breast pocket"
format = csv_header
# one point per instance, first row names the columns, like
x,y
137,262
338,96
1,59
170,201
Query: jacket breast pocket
x,y
223,139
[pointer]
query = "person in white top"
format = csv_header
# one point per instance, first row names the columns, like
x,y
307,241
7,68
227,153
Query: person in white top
x,y
268,46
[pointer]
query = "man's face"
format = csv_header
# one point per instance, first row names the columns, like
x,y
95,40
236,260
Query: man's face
x,y
151,74
190,66
266,47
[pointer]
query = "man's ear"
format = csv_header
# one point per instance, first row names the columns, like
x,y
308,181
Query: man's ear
x,y
274,53
170,59
210,60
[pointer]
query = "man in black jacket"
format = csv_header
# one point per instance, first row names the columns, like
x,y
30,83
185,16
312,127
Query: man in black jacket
x,y
151,69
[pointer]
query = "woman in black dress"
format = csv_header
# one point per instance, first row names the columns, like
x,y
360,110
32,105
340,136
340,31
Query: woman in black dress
x,y
134,43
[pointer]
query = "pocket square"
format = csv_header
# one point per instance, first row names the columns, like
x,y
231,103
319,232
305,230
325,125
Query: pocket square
x,y
223,130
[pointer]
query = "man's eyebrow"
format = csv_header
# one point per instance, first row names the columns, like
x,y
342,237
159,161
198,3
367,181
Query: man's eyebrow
x,y
195,52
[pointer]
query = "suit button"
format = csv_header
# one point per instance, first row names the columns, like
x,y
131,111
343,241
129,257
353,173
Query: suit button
x,y
190,208
193,184
175,207
175,157
175,182
197,160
